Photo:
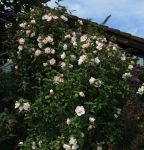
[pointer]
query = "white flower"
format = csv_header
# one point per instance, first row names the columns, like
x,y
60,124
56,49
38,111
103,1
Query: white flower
x,y
17,105
52,51
75,147
23,25
70,66
65,47
47,17
82,135
72,141
82,59
49,39
47,50
86,45
21,108
97,61
80,22
58,79
20,47
99,148
52,61
26,106
67,147
92,119
98,83
64,18
92,80
81,94
68,36
44,41
63,55
118,110
68,121
20,143
73,39
130,67
55,17
123,57
21,41
141,90
33,21
32,34
37,52
45,64
99,45
83,38
33,145
28,32
80,110
126,75
63,65
51,91
115,115
40,143
40,45
73,57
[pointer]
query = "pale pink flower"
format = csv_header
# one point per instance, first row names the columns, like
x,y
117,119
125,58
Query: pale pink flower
x,y
49,39
47,50
80,110
52,61
82,59
58,79
97,61
86,45
37,52
99,45
83,38
23,25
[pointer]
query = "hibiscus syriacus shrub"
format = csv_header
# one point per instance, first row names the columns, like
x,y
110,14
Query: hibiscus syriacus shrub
x,y
73,84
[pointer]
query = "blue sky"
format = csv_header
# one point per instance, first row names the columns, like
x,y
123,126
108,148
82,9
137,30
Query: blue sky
x,y
127,15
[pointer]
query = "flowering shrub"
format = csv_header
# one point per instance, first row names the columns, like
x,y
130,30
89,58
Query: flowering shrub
x,y
73,85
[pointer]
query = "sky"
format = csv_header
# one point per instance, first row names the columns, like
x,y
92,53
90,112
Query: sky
x,y
127,15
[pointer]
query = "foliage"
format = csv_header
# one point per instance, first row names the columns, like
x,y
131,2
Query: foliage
x,y
72,87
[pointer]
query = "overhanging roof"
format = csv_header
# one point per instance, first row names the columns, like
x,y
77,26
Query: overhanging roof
x,y
132,44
